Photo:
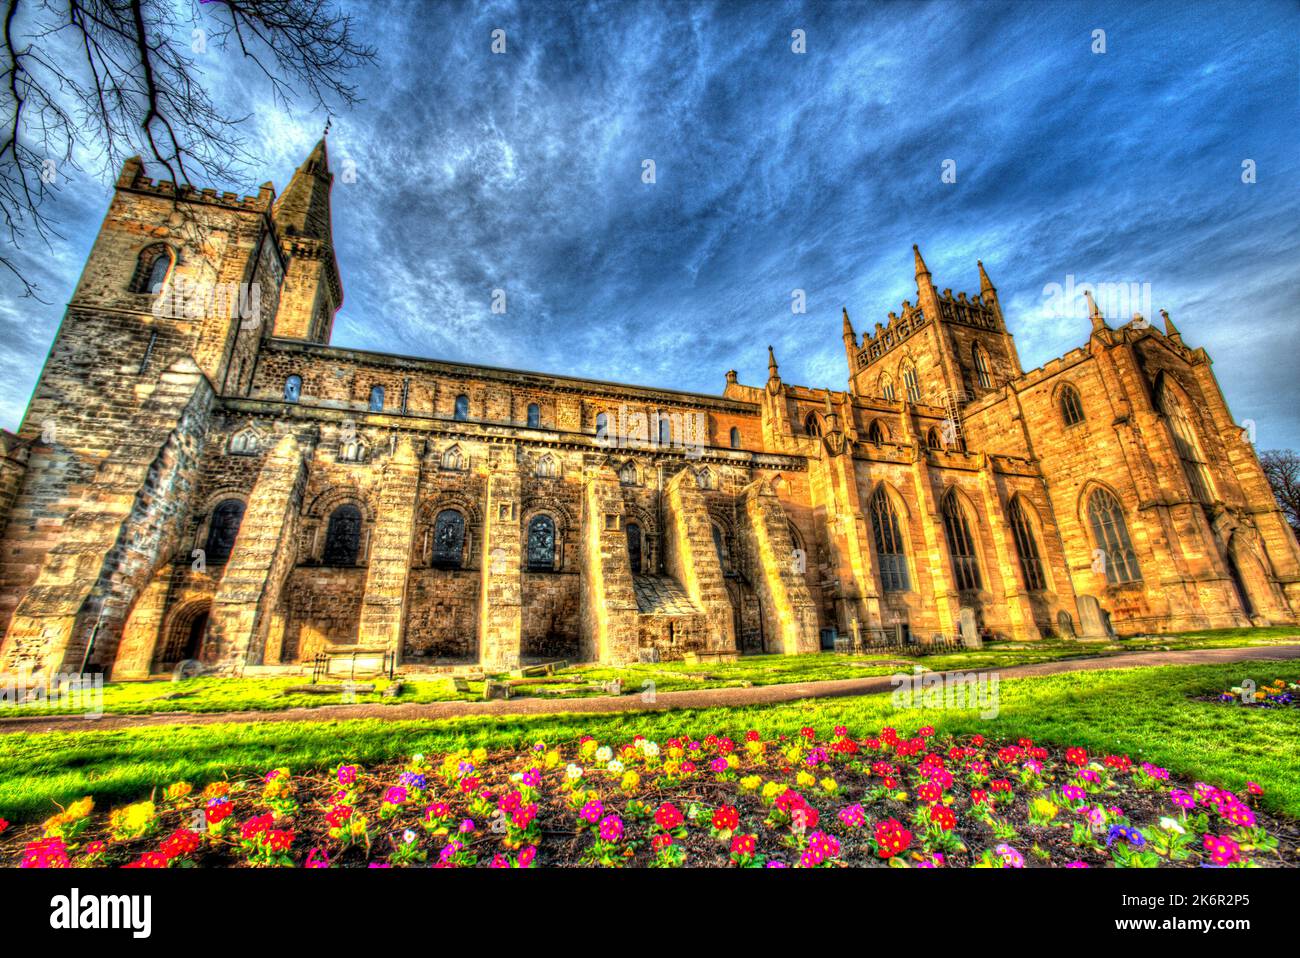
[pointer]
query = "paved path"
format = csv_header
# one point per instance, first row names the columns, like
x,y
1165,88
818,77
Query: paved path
x,y
701,698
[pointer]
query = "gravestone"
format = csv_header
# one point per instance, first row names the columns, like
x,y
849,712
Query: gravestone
x,y
970,631
1093,621
460,683
495,690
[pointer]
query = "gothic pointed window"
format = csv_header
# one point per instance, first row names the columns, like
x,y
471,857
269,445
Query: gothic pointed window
x,y
933,440
1071,406
812,425
876,432
961,547
889,543
910,383
1026,546
541,544
982,368
222,530
453,459
343,536
547,467
462,407
534,416
376,398
292,388
633,532
352,450
735,438
1110,532
887,387
244,443
719,547
704,477
628,474
602,425
1185,442
448,540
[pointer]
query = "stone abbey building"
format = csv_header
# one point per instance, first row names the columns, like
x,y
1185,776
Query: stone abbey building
x,y
200,475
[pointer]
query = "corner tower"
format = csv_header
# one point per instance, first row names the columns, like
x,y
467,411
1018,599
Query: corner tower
x,y
312,291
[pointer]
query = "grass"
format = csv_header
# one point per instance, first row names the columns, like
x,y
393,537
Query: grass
x,y
1146,713
274,694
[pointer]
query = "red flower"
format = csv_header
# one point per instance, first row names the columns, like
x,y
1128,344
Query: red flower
x,y
3,824
726,819
661,841
809,733
1077,756
925,731
668,816
978,796
218,813
977,740
255,826
892,838
942,816
279,841
149,860
753,736
180,842
744,844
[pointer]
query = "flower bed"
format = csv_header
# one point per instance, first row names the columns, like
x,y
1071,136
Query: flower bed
x,y
801,801
1281,694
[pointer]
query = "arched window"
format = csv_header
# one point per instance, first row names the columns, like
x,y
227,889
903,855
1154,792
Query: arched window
x,y
541,544
1111,535
735,438
534,416
222,530
628,474
376,398
965,566
448,540
547,468
151,269
453,459
812,425
665,430
244,443
343,536
292,388
352,450
1189,449
887,387
932,438
633,532
876,432
910,383
719,547
602,425
889,543
462,407
704,476
1026,546
982,368
1071,406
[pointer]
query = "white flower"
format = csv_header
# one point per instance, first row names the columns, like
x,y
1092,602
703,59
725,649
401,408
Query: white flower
x,y
651,749
574,772
1171,825
417,759
604,753
616,767
408,836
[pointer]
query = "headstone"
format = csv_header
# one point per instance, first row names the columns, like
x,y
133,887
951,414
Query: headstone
x,y
970,632
614,687
495,690
647,656
460,683
1092,619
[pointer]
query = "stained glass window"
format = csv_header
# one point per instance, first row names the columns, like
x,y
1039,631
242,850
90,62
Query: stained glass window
x,y
541,544
889,543
1030,563
961,546
448,540
1111,534
343,536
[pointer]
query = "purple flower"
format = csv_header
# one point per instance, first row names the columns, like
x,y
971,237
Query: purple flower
x,y
611,828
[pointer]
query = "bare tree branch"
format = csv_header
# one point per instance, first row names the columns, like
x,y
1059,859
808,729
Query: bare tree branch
x,y
107,79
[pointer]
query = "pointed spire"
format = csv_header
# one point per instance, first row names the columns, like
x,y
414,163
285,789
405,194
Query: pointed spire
x,y
303,209
921,269
1170,329
771,365
848,327
986,284
1098,321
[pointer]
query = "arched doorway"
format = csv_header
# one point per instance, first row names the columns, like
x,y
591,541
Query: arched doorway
x,y
185,634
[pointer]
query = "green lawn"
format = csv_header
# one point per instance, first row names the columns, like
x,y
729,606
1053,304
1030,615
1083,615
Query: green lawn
x,y
1145,713
272,694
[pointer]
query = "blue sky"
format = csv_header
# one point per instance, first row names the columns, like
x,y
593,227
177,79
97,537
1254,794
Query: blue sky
x,y
778,171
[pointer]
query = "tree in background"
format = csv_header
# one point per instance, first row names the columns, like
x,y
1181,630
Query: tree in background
x,y
1282,467
108,79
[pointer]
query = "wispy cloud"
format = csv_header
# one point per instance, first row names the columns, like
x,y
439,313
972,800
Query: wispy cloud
x,y
777,171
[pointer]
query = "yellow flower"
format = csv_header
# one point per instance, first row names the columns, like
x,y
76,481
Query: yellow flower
x,y
773,790
804,779
672,767
552,758
733,761
1043,808
830,786
178,790
630,781
750,783
479,755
